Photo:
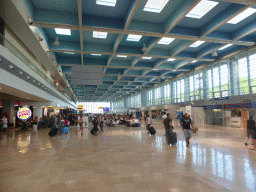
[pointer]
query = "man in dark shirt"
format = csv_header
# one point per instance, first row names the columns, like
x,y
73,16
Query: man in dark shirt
x,y
168,126
186,125
251,131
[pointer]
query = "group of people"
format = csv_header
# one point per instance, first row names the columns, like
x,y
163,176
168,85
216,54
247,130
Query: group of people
x,y
186,124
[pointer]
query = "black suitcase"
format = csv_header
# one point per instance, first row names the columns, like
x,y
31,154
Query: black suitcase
x,y
172,137
53,132
152,130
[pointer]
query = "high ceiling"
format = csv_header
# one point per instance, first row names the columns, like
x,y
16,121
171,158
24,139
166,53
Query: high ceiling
x,y
127,75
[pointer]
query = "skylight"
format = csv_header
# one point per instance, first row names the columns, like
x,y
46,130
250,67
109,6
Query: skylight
x,y
111,3
242,16
60,31
224,47
96,54
102,35
146,57
133,37
166,40
203,7
197,43
194,61
171,59
155,6
122,56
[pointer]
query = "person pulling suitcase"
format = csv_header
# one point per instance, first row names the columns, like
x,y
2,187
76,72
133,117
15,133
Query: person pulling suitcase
x,y
171,137
186,125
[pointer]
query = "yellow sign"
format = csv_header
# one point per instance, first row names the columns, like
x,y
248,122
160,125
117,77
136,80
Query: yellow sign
x,y
80,106
101,107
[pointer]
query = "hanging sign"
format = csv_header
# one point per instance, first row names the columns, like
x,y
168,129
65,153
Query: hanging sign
x,y
80,107
24,113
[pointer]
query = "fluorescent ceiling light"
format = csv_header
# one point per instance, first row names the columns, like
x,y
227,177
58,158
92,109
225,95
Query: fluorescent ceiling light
x,y
97,34
155,69
146,57
174,70
203,7
171,59
194,61
60,31
96,54
111,3
166,40
197,43
155,6
122,56
133,37
246,13
69,53
224,47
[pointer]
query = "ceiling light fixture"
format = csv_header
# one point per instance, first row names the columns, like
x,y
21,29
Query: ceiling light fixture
x,y
214,53
98,34
246,13
155,6
201,9
155,69
147,58
166,40
124,56
224,47
111,3
171,59
196,44
132,37
96,55
60,31
194,61
69,53
144,48
56,42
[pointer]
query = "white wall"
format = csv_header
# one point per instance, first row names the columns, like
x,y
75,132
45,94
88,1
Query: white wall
x,y
18,83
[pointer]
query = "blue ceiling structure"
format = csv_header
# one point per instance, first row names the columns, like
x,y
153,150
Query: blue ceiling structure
x,y
127,75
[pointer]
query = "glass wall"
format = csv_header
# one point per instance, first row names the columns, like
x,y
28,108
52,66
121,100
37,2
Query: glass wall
x,y
94,107
133,101
226,78
212,81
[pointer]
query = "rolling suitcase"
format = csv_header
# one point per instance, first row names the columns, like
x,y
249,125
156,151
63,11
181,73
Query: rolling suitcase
x,y
152,130
172,139
53,132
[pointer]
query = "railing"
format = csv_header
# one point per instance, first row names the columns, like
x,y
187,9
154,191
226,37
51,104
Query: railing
x,y
7,44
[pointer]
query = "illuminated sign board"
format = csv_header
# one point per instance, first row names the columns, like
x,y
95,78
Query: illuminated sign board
x,y
24,113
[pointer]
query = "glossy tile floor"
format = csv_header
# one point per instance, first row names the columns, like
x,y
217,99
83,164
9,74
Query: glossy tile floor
x,y
127,159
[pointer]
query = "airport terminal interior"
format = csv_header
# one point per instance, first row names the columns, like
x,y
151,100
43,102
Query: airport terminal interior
x,y
128,95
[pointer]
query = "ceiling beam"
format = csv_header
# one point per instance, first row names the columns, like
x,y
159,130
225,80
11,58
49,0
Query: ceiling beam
x,y
150,34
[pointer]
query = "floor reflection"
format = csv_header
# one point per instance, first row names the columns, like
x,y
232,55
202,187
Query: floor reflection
x,y
121,155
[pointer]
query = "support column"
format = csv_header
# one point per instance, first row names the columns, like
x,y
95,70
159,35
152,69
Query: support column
x,y
8,107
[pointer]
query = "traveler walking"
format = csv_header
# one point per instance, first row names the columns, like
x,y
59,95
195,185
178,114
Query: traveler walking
x,y
251,131
35,123
148,123
5,123
80,123
186,125
163,118
168,127
101,123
